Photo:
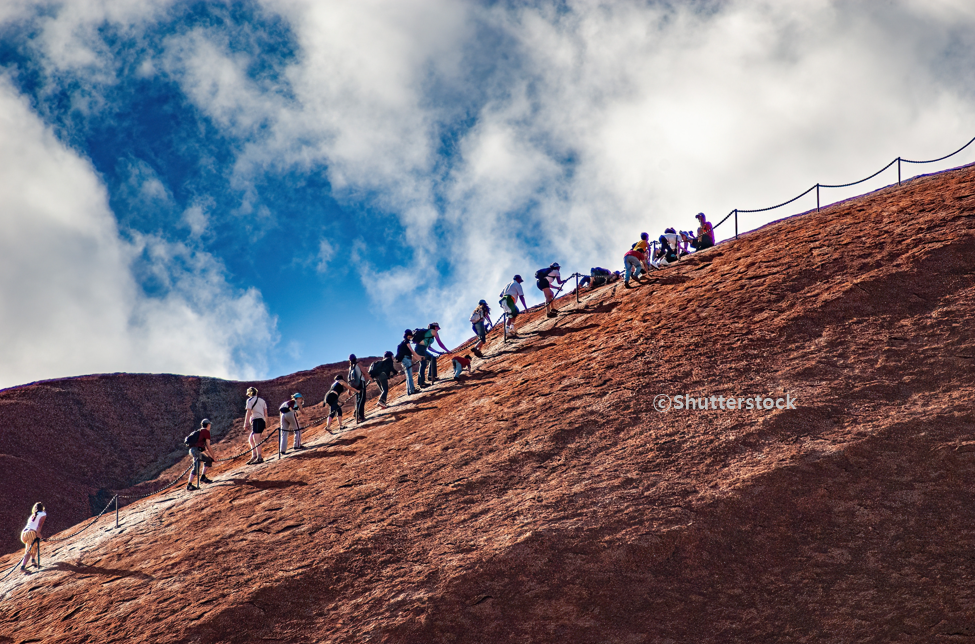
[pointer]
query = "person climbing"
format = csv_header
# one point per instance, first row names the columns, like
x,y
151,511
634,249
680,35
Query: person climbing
x,y
545,278
406,356
32,535
508,304
381,371
705,232
288,411
202,455
481,323
668,253
687,240
635,262
460,363
255,418
644,244
423,340
332,400
358,381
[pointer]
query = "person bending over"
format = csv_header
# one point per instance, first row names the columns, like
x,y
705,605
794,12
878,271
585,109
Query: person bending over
x,y
31,536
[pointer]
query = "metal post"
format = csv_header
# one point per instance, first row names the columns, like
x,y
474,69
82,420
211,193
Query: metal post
x,y
898,171
577,288
736,224
817,197
116,510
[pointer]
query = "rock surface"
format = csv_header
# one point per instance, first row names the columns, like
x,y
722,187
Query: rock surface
x,y
545,500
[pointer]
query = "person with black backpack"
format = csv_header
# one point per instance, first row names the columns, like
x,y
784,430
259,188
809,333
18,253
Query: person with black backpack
x,y
406,356
545,278
381,371
334,404
358,381
202,454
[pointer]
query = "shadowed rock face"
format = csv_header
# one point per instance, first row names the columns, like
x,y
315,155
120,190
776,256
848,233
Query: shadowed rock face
x,y
544,500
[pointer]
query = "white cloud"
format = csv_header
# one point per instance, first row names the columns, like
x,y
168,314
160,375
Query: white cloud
x,y
575,125
325,254
71,304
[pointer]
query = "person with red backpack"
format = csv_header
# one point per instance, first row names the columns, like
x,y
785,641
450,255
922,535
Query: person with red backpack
x,y
545,278
199,444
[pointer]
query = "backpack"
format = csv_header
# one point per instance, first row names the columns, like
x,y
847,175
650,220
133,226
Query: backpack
x,y
285,407
419,335
477,315
543,272
374,369
193,439
355,377
599,271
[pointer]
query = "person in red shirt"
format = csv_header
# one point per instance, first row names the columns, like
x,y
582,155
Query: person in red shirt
x,y
705,233
460,363
635,263
202,456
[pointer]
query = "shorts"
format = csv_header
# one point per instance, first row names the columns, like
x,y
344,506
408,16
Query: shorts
x,y
542,284
198,455
258,425
333,406
28,537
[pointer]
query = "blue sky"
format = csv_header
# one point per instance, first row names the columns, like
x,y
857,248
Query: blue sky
x,y
249,189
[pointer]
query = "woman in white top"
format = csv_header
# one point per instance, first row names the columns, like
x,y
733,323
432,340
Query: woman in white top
x,y
31,536
255,418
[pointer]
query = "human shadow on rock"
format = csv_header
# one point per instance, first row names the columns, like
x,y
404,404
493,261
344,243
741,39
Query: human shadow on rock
x,y
84,569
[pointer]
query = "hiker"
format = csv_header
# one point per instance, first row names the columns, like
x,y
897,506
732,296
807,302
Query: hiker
x,y
357,381
668,253
687,239
705,232
288,411
406,356
256,419
332,400
31,536
299,401
423,339
635,262
202,455
460,363
481,315
545,278
644,244
381,371
509,305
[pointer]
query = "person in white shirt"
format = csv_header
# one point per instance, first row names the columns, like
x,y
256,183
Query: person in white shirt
x,y
509,305
256,419
31,536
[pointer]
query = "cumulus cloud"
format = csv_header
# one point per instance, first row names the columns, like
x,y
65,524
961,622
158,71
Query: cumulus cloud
x,y
501,135
72,303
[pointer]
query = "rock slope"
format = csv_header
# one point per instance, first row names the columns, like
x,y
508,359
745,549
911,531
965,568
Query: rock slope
x,y
544,499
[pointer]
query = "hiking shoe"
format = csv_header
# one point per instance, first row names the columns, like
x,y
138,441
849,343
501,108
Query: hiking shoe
x,y
190,487
204,479
626,285
301,447
424,386
252,461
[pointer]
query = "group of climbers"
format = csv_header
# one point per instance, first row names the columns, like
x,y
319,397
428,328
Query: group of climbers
x,y
416,347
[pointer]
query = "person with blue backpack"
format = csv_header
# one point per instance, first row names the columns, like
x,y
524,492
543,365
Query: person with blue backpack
x,y
423,340
481,323
546,277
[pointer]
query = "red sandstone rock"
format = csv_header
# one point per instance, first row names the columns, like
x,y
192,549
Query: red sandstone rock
x,y
544,500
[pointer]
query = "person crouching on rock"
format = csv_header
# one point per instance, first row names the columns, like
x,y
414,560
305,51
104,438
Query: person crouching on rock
x,y
202,456
382,371
332,400
256,420
460,363
31,536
